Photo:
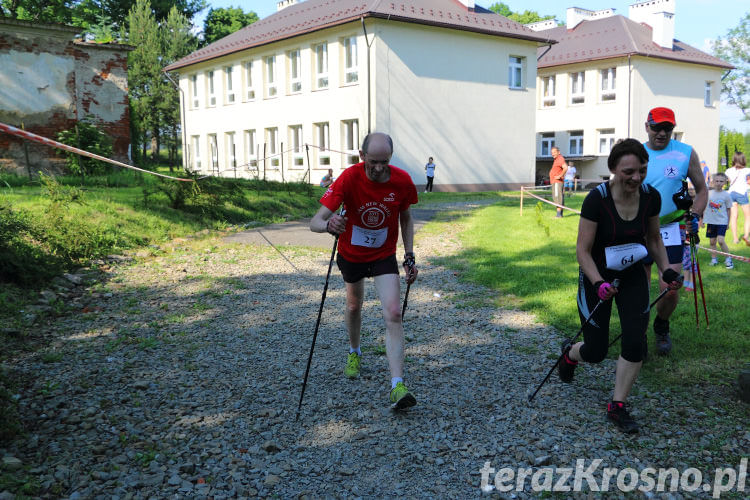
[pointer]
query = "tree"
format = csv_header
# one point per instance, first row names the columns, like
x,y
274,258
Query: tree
x,y
730,141
144,72
525,17
735,49
222,22
86,13
177,42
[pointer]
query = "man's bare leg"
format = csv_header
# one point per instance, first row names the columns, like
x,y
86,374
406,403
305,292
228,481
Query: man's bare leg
x,y
353,314
389,291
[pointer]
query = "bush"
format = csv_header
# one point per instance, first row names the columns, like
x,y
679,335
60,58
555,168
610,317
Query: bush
x,y
22,259
89,138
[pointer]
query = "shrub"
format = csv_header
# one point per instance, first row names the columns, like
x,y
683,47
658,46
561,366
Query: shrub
x,y
88,138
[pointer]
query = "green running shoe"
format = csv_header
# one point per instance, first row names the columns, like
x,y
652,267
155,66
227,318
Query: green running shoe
x,y
401,398
352,365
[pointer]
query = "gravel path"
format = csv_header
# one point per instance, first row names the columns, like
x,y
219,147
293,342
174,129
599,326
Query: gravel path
x,y
179,375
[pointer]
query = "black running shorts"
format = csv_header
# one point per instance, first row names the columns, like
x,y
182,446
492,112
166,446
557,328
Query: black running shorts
x,y
355,271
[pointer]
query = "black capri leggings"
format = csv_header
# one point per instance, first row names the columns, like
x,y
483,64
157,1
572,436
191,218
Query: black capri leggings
x,y
632,306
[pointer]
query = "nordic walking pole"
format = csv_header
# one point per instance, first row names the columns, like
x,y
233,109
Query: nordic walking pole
x,y
406,296
317,325
700,278
695,289
408,262
657,299
615,284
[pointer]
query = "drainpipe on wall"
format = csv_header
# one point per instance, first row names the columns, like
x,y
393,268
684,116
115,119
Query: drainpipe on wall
x,y
369,99
630,93
549,47
185,151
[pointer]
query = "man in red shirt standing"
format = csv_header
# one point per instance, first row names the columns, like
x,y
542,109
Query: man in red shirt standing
x,y
556,176
376,198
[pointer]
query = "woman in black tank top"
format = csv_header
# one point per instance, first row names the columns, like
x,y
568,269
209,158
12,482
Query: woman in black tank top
x,y
619,226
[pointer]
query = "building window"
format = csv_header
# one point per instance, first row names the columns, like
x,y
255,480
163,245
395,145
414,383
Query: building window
x,y
229,84
195,101
196,159
548,91
606,140
322,142
272,137
251,150
609,88
707,99
270,69
249,87
575,145
548,142
321,66
230,153
211,89
515,72
577,88
213,147
351,74
295,71
350,140
296,145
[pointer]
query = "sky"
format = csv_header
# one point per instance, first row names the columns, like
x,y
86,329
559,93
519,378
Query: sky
x,y
697,22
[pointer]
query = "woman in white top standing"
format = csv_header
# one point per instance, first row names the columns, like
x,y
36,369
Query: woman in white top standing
x,y
739,175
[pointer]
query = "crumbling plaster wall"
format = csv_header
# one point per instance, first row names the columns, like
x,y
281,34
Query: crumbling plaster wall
x,y
47,81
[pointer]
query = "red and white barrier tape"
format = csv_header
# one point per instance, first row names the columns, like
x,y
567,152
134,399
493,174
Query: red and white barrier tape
x,y
54,144
735,257
549,202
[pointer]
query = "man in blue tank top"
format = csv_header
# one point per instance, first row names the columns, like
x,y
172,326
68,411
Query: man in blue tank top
x,y
670,163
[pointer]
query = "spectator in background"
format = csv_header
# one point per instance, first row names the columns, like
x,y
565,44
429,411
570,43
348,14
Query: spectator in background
x,y
556,176
429,170
716,217
570,177
738,175
327,179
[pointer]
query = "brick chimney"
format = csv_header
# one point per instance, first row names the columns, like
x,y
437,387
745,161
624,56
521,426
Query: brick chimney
x,y
659,14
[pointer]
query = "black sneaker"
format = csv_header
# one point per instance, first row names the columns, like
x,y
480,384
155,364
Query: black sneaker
x,y
566,367
618,414
663,341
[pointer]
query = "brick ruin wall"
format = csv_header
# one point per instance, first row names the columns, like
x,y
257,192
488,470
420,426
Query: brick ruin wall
x,y
49,81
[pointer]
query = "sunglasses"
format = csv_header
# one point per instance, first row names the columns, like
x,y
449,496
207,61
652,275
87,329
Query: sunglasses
x,y
659,127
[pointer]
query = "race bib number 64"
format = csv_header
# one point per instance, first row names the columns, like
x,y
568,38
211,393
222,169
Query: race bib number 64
x,y
620,257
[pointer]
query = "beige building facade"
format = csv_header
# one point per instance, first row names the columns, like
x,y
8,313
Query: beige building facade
x,y
446,79
597,85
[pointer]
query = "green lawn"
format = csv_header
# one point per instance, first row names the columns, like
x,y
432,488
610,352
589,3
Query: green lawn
x,y
530,261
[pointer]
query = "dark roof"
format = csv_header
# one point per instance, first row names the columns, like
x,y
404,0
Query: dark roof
x,y
615,36
312,15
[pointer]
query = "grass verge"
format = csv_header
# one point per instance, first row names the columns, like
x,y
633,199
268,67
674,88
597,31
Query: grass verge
x,y
530,260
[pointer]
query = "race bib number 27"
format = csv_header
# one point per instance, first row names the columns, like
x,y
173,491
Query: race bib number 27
x,y
371,238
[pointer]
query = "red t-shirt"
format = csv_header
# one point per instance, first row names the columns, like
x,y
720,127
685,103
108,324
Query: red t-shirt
x,y
556,170
372,209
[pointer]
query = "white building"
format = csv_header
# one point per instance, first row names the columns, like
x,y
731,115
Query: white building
x,y
607,71
445,78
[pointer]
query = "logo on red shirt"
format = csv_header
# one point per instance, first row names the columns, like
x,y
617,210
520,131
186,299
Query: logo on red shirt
x,y
373,217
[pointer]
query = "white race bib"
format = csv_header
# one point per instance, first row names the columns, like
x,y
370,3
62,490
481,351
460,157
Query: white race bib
x,y
371,238
621,257
670,234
